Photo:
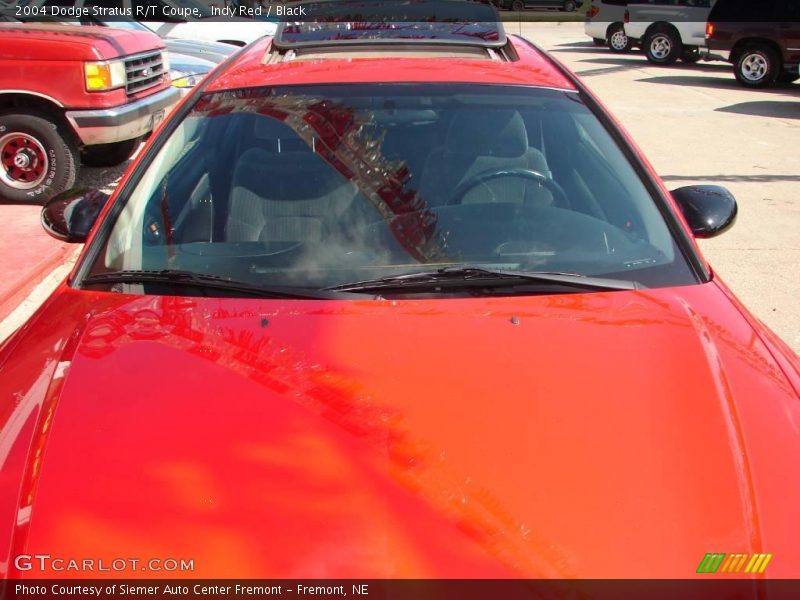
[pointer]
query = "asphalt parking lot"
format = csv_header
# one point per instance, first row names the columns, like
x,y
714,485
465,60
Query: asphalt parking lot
x,y
697,125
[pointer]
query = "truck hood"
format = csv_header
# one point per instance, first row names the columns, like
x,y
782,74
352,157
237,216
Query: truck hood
x,y
620,434
51,42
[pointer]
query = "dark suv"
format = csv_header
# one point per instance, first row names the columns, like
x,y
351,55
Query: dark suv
x,y
761,39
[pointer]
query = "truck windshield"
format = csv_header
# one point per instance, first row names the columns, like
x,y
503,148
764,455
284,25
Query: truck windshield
x,y
319,186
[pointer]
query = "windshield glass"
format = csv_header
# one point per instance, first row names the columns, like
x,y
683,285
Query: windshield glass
x,y
318,186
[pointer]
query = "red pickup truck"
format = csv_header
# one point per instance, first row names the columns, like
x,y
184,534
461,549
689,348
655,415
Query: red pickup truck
x,y
72,95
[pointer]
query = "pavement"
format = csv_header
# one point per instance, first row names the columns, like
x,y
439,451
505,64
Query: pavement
x,y
693,122
28,255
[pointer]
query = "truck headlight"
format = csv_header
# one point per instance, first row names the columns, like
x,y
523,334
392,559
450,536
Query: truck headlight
x,y
106,75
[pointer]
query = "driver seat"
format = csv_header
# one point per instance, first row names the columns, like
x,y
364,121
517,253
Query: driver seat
x,y
479,141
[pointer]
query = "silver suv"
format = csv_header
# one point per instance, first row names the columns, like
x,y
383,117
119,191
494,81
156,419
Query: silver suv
x,y
604,24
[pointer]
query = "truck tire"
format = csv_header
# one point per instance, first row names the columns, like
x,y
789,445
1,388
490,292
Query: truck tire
x,y
569,6
663,46
109,155
757,66
37,158
617,40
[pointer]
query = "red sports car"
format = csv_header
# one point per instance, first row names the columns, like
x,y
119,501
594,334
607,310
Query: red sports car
x,y
396,302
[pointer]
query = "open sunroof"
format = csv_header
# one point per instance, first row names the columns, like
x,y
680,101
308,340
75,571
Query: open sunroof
x,y
393,22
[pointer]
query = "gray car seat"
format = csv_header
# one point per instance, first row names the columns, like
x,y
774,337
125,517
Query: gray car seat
x,y
485,141
284,196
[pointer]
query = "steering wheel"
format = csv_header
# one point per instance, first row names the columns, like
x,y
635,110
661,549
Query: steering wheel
x,y
479,178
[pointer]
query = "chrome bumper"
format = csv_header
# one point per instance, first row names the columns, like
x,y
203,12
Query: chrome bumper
x,y
122,122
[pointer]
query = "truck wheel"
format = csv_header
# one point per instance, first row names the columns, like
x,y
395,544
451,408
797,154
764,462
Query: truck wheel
x,y
569,6
517,5
36,160
617,40
756,67
663,46
109,155
690,54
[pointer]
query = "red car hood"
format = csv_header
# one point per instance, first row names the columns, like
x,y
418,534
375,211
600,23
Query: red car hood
x,y
619,434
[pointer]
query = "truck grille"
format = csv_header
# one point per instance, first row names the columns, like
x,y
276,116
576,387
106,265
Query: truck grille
x,y
144,71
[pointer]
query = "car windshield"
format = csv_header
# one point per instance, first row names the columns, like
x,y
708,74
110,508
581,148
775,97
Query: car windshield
x,y
321,186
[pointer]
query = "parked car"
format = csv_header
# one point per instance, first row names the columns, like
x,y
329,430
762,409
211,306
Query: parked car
x,y
605,24
69,96
403,298
231,30
518,5
214,52
187,71
761,40
668,31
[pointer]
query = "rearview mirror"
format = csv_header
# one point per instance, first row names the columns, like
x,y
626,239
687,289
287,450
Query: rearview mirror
x,y
70,216
709,209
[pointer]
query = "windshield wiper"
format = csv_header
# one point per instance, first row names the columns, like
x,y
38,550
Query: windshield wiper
x,y
460,277
203,281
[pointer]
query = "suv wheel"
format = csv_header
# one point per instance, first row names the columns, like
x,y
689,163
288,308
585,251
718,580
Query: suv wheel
x,y
36,160
663,46
109,155
756,67
617,40
569,6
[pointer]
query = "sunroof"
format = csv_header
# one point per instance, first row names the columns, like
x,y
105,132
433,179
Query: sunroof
x,y
393,21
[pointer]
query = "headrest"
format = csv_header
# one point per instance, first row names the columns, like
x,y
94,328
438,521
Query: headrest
x,y
270,128
498,133
287,176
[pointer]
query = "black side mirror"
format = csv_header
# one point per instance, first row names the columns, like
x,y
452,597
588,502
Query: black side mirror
x,y
70,216
709,209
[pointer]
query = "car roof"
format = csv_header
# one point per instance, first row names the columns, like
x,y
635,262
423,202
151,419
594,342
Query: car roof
x,y
262,64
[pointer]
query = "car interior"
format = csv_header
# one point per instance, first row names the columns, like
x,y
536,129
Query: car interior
x,y
309,184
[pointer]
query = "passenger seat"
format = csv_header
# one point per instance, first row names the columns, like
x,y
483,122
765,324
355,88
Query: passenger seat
x,y
290,196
